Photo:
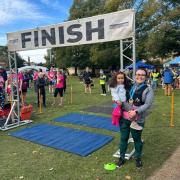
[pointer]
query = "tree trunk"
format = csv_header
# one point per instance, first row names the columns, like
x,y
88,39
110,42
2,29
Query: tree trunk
x,y
75,70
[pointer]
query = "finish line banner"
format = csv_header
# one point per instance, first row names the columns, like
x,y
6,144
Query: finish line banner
x,y
101,28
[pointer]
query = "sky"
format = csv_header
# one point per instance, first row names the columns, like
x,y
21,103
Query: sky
x,y
17,15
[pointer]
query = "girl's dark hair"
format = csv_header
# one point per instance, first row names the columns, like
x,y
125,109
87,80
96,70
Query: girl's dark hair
x,y
113,82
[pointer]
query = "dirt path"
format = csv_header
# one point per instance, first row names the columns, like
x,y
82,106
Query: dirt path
x,y
170,169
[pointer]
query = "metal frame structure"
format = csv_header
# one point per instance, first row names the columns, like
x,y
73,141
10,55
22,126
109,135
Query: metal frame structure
x,y
126,44
129,155
13,120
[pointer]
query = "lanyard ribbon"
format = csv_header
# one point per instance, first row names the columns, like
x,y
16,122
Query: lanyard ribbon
x,y
134,89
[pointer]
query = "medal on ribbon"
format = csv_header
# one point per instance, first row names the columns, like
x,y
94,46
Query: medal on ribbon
x,y
132,92
131,101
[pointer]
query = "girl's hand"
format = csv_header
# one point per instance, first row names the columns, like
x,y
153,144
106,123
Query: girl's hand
x,y
132,114
119,103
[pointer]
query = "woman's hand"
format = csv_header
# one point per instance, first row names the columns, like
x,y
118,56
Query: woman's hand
x,y
132,114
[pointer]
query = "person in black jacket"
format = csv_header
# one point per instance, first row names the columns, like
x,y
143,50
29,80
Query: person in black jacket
x,y
41,83
87,80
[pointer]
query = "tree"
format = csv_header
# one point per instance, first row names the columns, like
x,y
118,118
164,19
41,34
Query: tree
x,y
3,54
157,32
158,29
4,57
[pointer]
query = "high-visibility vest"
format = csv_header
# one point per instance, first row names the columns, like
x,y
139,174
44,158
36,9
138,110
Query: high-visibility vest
x,y
155,76
102,79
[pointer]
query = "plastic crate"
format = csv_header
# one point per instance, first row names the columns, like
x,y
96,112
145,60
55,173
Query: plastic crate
x,y
26,112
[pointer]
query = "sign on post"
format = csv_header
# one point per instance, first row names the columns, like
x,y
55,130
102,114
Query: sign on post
x,y
101,28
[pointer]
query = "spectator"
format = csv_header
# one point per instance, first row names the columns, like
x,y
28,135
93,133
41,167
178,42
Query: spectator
x,y
87,80
168,80
51,78
155,77
102,82
2,92
41,89
59,88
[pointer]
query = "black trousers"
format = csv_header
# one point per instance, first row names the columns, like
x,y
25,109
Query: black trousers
x,y
103,86
42,92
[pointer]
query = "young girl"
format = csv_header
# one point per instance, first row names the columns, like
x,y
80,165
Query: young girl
x,y
118,86
51,78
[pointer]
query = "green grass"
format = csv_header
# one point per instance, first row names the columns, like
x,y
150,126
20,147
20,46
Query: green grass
x,y
33,161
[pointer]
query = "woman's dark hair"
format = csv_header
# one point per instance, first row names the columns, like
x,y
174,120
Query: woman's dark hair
x,y
113,82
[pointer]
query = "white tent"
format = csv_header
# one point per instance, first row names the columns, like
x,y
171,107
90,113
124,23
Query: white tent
x,y
36,68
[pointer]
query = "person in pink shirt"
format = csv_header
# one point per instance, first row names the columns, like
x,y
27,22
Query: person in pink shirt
x,y
15,78
51,78
59,87
35,78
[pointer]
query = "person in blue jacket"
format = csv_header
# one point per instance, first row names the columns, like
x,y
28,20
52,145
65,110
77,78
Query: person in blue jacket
x,y
168,80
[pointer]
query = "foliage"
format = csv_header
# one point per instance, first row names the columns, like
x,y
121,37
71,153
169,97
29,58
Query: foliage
x,y
4,57
158,29
157,32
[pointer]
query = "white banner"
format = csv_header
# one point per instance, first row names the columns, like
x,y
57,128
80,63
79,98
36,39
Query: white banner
x,y
101,28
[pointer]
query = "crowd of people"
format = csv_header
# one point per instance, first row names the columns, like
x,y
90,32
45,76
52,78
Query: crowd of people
x,y
55,78
167,78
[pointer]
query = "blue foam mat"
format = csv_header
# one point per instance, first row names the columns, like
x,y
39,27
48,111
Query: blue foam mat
x,y
88,120
67,139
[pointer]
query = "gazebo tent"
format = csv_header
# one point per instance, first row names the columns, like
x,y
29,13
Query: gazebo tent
x,y
141,64
175,61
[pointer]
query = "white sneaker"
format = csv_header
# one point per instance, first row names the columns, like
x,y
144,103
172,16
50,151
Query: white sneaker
x,y
136,126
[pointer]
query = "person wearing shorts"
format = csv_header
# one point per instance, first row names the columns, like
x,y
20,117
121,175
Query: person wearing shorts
x,y
87,80
59,88
51,77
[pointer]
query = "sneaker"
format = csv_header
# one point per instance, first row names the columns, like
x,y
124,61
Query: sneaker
x,y
139,163
136,126
120,163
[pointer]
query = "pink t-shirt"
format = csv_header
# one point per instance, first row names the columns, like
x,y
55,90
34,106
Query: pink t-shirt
x,y
35,77
51,75
20,77
60,81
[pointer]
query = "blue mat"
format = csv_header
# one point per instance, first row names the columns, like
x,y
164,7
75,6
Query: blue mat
x,y
88,120
67,139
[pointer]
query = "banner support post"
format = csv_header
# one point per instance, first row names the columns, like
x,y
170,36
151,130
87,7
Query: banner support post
x,y
134,48
121,55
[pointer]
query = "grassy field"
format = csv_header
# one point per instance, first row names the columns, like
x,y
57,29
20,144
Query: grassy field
x,y
21,159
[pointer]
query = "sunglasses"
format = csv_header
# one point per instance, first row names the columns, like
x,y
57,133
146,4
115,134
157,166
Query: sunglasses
x,y
140,74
